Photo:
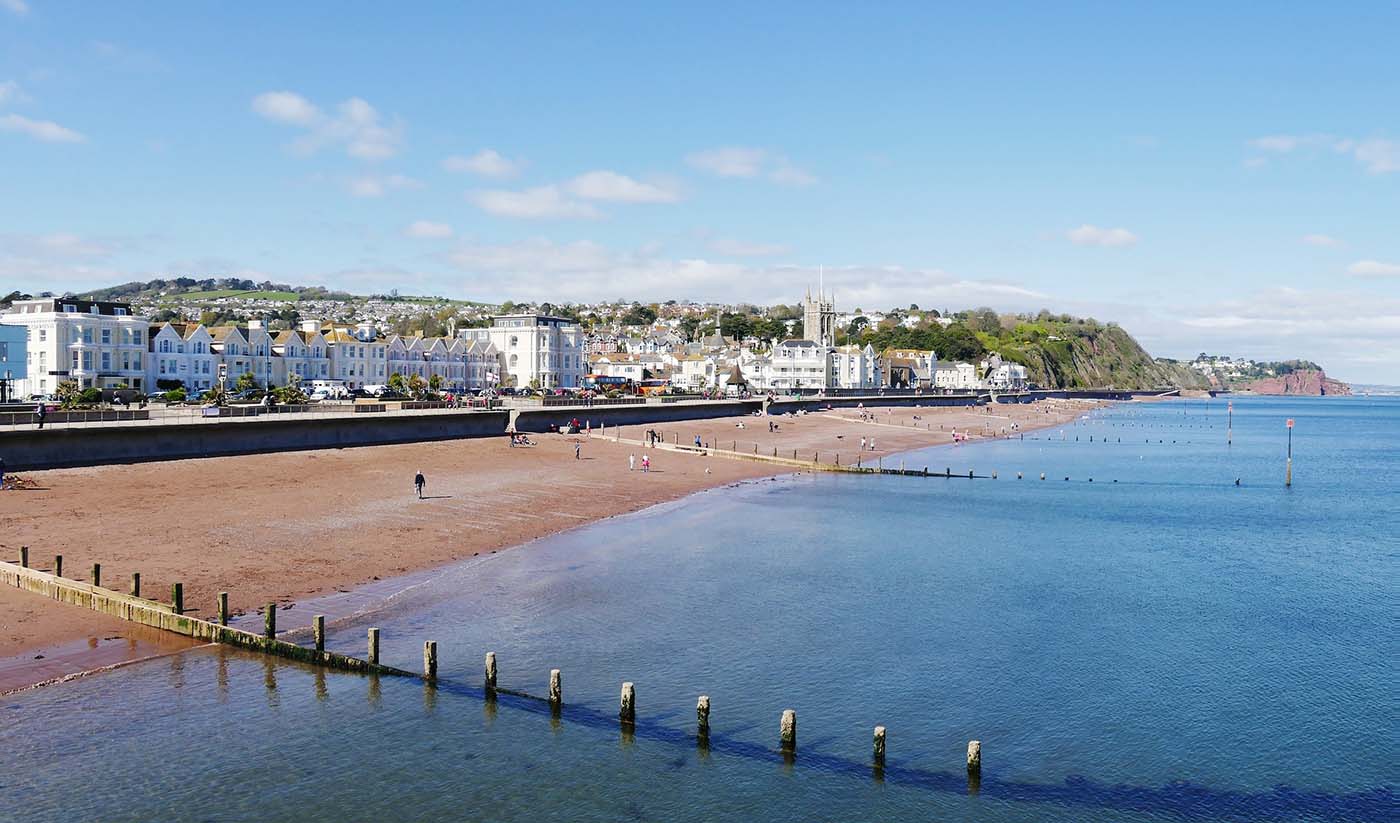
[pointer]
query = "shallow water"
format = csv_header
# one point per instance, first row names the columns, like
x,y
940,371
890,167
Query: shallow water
x,y
1168,646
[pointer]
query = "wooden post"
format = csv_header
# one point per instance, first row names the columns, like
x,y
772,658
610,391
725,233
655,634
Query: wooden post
x,y
490,671
430,660
787,732
270,621
136,584
97,574
702,717
58,565
24,557
223,606
974,757
177,596
879,752
556,689
374,646
318,632
627,706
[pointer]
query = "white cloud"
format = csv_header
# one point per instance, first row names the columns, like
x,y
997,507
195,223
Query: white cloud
x,y
356,125
1288,143
16,7
541,202
487,163
1373,268
1376,155
43,130
741,161
1321,240
609,186
1087,235
428,230
731,161
10,91
378,185
729,247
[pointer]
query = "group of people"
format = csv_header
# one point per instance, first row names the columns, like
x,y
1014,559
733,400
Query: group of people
x,y
863,442
632,463
520,440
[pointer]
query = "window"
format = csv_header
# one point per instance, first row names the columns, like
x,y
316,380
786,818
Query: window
x,y
106,361
106,337
69,308
43,335
119,311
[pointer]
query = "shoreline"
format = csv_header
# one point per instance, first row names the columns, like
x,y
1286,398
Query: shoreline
x,y
377,546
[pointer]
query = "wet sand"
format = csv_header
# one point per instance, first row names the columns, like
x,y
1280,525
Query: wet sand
x,y
294,526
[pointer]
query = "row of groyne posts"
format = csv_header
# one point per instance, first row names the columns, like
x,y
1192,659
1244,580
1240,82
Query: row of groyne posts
x,y
133,607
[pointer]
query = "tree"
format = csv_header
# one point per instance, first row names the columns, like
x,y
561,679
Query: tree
x,y
397,383
215,396
435,383
417,386
291,394
735,326
68,394
246,382
689,325
639,315
858,324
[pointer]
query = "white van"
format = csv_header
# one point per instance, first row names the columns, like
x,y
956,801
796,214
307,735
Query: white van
x,y
329,390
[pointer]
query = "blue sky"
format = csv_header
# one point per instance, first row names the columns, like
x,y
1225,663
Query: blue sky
x,y
1221,180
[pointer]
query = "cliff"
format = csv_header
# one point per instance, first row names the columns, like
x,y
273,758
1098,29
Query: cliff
x,y
1090,355
1308,382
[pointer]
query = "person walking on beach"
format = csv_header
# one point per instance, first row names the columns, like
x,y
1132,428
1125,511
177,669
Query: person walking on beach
x,y
418,483
40,411
2,473
862,444
646,464
872,444
577,448
631,462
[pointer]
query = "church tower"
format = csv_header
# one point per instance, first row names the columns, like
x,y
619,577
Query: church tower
x,y
819,319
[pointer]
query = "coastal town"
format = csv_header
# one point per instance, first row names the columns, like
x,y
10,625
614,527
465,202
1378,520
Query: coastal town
x,y
67,345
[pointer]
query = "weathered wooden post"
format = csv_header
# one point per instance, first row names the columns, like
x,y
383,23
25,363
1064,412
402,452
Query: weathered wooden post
x,y
136,584
702,717
374,646
270,621
974,757
24,557
879,751
58,565
96,574
430,660
787,732
627,705
556,690
223,607
318,632
491,671
177,595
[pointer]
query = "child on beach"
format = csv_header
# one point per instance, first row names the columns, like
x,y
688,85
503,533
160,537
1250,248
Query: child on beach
x,y
646,464
631,462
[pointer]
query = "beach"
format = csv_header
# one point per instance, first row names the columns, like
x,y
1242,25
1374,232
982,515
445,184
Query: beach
x,y
293,526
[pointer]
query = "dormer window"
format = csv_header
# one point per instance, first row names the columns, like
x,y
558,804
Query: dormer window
x,y
69,308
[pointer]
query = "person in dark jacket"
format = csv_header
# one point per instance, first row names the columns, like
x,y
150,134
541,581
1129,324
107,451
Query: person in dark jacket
x,y
418,483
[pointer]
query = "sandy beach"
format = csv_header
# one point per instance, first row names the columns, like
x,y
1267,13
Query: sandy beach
x,y
288,527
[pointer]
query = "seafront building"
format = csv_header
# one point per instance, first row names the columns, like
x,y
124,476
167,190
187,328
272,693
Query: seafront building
x,y
537,350
94,343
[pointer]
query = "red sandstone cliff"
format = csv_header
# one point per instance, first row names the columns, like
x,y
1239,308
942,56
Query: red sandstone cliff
x,y
1308,382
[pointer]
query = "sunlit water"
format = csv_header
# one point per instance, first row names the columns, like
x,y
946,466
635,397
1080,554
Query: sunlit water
x,y
1168,646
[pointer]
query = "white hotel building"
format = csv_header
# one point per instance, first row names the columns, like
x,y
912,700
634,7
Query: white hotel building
x,y
535,347
91,342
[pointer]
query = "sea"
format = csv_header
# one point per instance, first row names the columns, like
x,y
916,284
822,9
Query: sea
x,y
1159,630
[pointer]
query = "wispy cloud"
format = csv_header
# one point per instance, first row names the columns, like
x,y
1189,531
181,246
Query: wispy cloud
x,y
747,162
355,124
427,230
44,130
1325,240
730,247
373,185
609,186
19,8
1087,235
538,203
10,92
1376,155
1373,268
486,163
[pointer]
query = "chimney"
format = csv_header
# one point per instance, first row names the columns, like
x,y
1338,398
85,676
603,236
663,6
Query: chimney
x,y
310,326
365,331
255,325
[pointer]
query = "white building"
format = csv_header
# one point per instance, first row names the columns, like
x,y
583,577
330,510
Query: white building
x,y
854,367
537,349
357,355
184,353
797,364
956,377
91,342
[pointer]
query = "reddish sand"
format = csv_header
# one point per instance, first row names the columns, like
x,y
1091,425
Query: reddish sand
x,y
282,527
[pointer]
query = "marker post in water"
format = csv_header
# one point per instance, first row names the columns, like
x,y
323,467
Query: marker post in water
x,y
1230,423
1288,478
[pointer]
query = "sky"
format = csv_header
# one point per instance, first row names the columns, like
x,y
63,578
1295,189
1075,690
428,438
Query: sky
x,y
1213,179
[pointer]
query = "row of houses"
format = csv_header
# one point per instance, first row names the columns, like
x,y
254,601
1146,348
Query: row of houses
x,y
104,345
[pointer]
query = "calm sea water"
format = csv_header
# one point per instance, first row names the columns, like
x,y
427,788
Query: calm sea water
x,y
1168,646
